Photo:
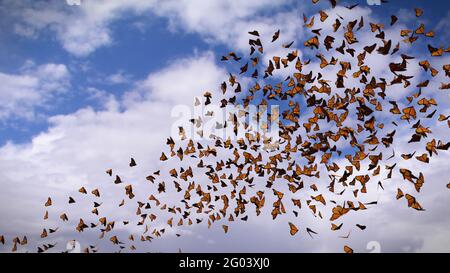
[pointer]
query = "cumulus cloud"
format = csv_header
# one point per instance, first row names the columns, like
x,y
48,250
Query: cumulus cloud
x,y
84,28
118,78
32,87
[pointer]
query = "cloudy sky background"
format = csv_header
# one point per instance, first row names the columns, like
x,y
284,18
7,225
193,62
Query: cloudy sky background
x,y
84,88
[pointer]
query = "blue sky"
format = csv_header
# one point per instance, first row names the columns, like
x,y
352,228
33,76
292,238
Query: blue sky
x,y
135,52
86,87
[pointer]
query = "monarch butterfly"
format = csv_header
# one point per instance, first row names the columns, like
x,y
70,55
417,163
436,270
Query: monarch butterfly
x,y
114,240
399,194
313,42
81,226
44,233
96,192
412,202
323,16
338,211
49,202
435,52
423,158
348,250
225,228
320,199
118,180
293,229
64,217
309,231
275,36
132,162
418,12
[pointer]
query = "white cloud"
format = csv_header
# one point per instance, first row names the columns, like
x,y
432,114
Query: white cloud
x,y
21,93
84,28
184,78
118,78
227,22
